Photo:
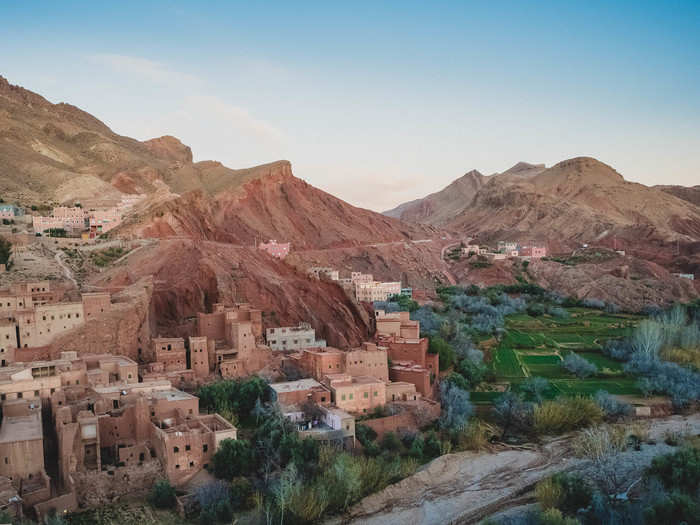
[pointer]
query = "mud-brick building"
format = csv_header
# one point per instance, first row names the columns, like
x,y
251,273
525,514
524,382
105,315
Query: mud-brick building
x,y
411,362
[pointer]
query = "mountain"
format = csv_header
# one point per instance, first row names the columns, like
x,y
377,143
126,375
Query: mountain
x,y
687,193
577,200
440,207
57,153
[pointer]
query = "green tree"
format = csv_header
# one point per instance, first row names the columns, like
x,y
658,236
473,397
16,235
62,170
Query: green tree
x,y
234,458
162,494
5,251
438,345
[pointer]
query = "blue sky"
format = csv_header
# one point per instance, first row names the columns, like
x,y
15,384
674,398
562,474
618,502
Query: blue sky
x,y
379,102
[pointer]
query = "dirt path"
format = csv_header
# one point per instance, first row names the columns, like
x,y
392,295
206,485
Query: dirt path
x,y
467,487
66,271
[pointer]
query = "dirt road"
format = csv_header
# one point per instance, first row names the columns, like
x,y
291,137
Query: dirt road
x,y
467,487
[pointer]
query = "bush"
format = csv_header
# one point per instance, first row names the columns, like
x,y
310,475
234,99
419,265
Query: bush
x,y
233,458
548,493
512,413
613,408
677,471
600,442
578,366
456,408
438,345
476,435
390,442
162,495
535,387
241,493
535,310
566,414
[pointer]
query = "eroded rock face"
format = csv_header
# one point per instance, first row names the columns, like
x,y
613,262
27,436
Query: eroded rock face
x,y
123,330
189,276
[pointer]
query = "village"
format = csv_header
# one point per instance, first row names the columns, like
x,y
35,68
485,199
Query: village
x,y
75,425
84,427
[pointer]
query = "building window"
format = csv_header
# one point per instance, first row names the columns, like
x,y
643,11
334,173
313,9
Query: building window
x,y
205,447
20,395
351,396
366,395
343,397
177,466
176,450
187,447
36,393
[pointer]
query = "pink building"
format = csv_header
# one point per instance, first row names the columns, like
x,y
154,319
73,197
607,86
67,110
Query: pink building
x,y
279,250
535,252
101,221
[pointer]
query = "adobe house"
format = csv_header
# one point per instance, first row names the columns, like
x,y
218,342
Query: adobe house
x,y
22,450
411,361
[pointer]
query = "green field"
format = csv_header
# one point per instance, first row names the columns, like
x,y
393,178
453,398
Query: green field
x,y
535,346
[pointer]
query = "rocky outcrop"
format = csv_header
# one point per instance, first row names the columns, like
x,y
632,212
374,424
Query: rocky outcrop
x,y
189,276
124,330
169,148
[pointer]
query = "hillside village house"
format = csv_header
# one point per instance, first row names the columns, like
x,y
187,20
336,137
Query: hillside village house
x,y
293,337
376,291
10,211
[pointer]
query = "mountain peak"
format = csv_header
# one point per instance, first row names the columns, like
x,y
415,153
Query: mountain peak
x,y
580,170
169,148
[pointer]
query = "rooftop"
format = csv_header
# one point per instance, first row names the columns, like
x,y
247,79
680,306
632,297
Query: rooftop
x,y
21,428
295,386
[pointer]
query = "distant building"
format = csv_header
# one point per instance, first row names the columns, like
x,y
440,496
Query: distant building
x,y
533,252
507,246
323,272
10,211
407,292
293,337
275,249
689,276
371,291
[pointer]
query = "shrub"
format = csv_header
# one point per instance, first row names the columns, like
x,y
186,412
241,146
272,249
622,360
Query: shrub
x,y
613,408
680,470
417,449
535,310
512,413
548,493
433,447
566,414
555,517
535,387
578,366
456,408
233,458
390,442
241,493
438,345
162,495
476,435
601,441
365,434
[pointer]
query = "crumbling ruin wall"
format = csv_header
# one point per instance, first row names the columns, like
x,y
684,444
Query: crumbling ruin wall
x,y
122,331
93,489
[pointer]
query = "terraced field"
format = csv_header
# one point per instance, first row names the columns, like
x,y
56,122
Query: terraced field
x,y
535,346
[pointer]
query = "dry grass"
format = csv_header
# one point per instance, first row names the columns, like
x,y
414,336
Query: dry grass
x,y
548,493
566,414
684,357
476,435
598,442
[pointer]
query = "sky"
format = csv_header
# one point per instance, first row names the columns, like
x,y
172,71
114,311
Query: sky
x,y
378,102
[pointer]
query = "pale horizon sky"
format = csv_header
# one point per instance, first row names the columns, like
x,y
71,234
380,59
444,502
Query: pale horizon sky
x,y
379,103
